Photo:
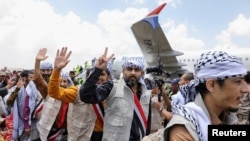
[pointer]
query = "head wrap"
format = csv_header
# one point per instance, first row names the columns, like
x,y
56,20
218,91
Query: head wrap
x,y
46,65
216,65
65,75
135,64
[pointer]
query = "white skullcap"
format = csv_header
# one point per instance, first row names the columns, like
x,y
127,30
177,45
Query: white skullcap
x,y
65,75
46,65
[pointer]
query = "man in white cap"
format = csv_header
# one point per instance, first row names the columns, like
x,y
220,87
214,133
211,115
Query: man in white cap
x,y
127,111
216,90
45,69
77,117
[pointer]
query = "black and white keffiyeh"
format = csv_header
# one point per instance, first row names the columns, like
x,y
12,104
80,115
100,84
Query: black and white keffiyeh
x,y
218,65
186,93
133,64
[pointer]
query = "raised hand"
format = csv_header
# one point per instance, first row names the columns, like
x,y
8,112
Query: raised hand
x,y
103,60
41,55
62,58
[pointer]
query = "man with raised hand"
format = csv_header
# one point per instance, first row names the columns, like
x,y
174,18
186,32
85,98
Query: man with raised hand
x,y
128,110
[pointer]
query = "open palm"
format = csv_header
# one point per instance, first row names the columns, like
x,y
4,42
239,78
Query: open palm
x,y
62,58
41,55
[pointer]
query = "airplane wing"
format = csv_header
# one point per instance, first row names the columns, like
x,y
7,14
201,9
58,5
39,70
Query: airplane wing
x,y
154,44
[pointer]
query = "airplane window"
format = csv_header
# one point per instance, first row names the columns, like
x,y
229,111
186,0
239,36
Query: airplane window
x,y
192,60
188,60
184,60
246,58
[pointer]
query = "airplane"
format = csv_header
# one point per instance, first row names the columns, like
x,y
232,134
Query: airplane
x,y
160,60
155,46
158,57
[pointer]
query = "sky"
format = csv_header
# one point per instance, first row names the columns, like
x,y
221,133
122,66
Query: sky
x,y
86,27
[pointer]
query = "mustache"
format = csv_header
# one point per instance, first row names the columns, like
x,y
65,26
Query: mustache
x,y
132,77
132,81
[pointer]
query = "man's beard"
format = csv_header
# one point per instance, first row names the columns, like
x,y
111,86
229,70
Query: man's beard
x,y
131,82
46,78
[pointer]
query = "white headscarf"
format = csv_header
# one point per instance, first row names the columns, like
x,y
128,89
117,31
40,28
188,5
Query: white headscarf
x,y
65,75
46,65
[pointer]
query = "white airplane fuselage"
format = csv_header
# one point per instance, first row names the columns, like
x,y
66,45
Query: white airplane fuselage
x,y
188,58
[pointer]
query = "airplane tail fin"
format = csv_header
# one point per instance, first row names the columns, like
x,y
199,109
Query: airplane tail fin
x,y
157,10
152,18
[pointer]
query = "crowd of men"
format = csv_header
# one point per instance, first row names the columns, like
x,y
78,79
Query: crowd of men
x,y
46,104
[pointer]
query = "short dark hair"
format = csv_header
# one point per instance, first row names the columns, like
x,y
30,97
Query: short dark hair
x,y
189,76
25,73
202,89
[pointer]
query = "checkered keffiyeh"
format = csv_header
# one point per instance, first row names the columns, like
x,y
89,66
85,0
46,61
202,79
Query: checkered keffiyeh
x,y
218,65
133,64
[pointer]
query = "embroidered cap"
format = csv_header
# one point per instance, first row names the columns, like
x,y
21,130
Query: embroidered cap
x,y
46,65
133,64
218,65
